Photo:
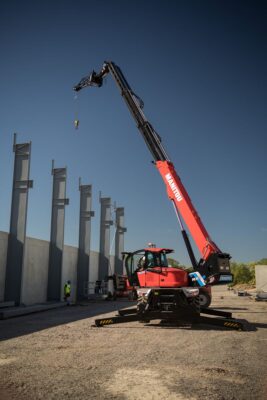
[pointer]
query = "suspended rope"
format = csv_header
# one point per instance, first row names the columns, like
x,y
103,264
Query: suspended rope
x,y
110,250
76,114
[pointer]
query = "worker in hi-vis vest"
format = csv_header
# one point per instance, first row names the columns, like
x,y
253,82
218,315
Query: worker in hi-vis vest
x,y
67,291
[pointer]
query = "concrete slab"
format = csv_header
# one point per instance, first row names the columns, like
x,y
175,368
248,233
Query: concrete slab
x,y
19,311
261,278
6,304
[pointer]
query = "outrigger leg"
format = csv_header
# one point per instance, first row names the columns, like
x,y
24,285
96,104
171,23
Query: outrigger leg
x,y
182,316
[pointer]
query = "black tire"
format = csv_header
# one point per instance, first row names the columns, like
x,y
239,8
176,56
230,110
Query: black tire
x,y
141,305
132,296
194,304
204,299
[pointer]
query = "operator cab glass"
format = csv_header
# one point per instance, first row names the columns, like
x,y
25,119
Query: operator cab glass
x,y
150,262
144,259
154,259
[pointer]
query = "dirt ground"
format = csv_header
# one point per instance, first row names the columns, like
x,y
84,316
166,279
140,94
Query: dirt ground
x,y
58,355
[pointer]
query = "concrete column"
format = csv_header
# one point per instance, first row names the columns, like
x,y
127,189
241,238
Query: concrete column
x,y
59,201
104,250
84,238
119,240
18,219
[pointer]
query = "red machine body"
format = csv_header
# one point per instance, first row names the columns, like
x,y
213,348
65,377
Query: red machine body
x,y
159,274
165,277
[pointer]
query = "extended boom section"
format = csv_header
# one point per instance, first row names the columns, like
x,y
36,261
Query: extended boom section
x,y
214,264
176,192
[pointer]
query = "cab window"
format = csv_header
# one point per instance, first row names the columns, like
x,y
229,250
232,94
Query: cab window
x,y
156,260
163,260
150,260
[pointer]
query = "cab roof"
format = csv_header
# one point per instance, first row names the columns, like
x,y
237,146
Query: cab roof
x,y
158,250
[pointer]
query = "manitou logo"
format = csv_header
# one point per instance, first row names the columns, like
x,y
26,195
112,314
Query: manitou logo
x,y
173,187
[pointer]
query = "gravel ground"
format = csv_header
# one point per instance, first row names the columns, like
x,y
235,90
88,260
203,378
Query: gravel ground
x,y
58,355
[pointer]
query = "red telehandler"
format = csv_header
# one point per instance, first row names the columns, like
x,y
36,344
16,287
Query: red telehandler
x,y
167,293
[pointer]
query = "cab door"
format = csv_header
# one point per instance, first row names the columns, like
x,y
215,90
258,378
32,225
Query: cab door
x,y
152,272
152,278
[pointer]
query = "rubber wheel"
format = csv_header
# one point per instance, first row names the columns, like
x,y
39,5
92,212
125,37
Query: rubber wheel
x,y
204,300
132,296
194,303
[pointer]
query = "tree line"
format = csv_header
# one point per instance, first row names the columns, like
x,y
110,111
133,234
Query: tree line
x,y
242,272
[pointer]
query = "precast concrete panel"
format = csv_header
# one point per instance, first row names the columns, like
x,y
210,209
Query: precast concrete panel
x,y
3,255
86,214
94,262
119,240
104,248
18,218
112,262
35,271
69,270
59,201
261,278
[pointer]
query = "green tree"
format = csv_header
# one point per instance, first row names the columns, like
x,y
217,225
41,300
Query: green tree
x,y
243,273
173,263
176,264
263,261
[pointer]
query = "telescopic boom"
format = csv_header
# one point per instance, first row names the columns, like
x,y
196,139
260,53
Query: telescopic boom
x,y
213,263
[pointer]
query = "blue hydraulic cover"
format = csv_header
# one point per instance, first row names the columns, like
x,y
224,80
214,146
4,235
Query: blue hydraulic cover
x,y
196,277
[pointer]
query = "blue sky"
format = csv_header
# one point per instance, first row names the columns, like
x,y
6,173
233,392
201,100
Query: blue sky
x,y
199,66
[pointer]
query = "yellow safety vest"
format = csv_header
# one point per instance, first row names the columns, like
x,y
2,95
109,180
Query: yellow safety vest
x,y
67,288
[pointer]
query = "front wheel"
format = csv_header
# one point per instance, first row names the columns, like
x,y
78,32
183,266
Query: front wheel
x,y
204,300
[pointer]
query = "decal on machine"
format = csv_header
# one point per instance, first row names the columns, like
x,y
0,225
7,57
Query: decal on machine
x,y
173,187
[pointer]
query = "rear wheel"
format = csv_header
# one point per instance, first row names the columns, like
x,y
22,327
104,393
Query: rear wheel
x,y
141,305
132,295
194,303
204,300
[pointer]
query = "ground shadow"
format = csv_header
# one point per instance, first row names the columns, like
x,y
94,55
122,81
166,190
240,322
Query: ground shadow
x,y
241,310
248,327
260,325
230,308
27,324
24,325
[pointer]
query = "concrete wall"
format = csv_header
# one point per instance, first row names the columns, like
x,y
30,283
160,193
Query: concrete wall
x,y
35,272
261,277
94,265
112,264
69,270
3,254
93,271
